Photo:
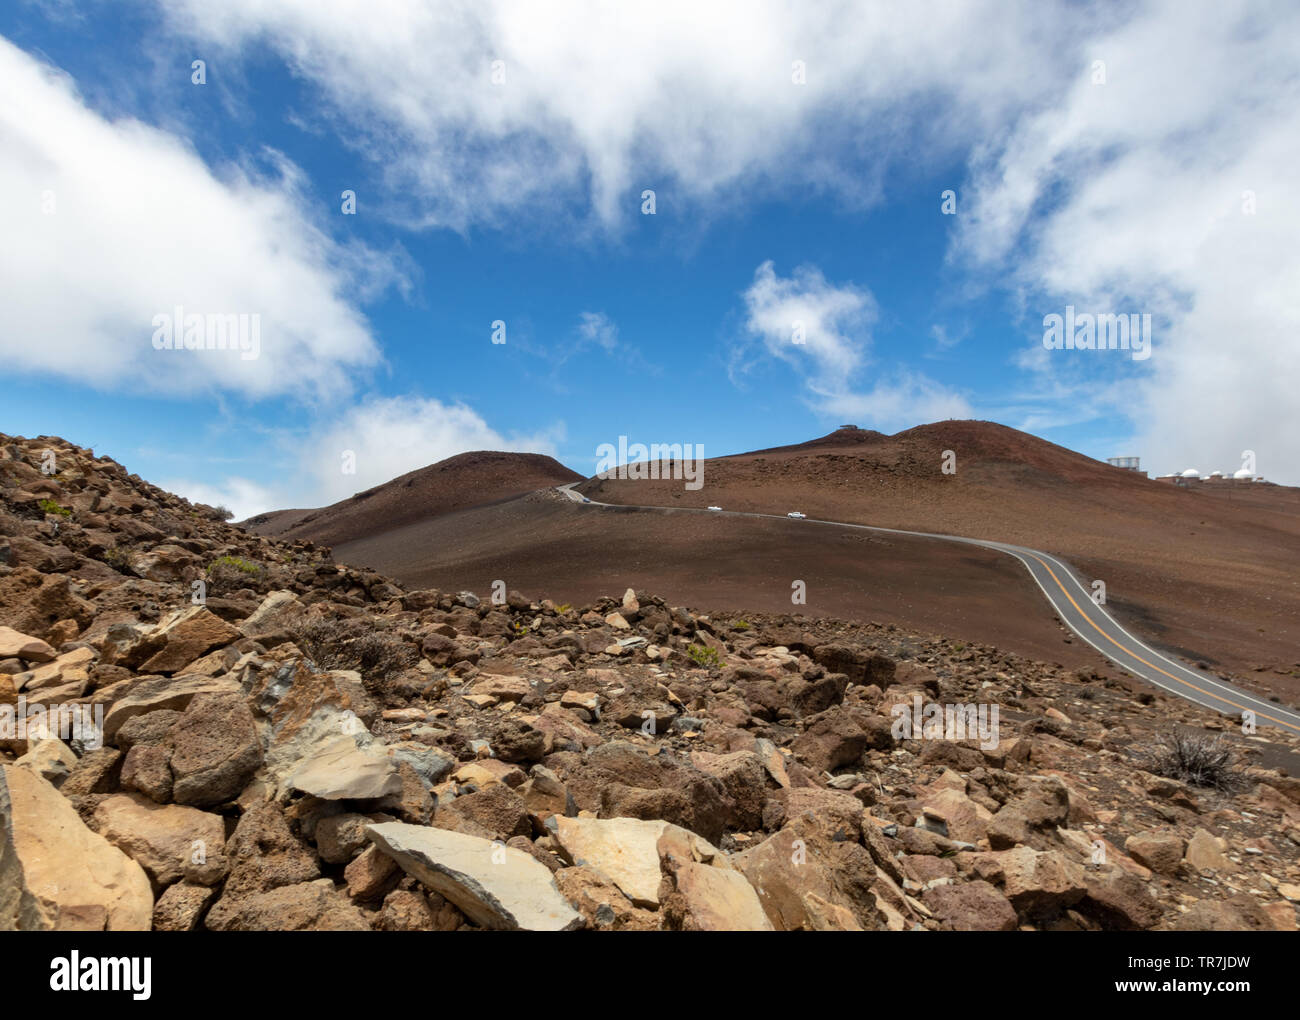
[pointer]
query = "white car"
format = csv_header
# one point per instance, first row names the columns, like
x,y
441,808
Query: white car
x,y
796,515
715,508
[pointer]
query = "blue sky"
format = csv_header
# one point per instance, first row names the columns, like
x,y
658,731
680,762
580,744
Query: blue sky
x,y
1134,158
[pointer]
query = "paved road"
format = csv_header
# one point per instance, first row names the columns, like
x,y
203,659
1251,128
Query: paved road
x,y
1074,604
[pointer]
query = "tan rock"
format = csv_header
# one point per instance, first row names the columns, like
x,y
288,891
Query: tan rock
x,y
625,850
1205,853
494,885
187,637
55,873
1159,851
705,898
16,645
160,838
162,692
49,758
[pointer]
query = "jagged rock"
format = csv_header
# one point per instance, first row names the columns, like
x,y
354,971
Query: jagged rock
x,y
50,758
55,873
22,646
601,903
1205,853
185,637
161,839
1236,913
339,769
181,907
495,886
306,906
971,906
700,896
264,854
624,850
1160,851
150,695
806,882
215,750
1038,882
1120,901
832,740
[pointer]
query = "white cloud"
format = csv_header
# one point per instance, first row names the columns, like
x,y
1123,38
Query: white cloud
x,y
381,437
241,496
109,223
833,323
390,436
600,329
901,401
600,100
1128,196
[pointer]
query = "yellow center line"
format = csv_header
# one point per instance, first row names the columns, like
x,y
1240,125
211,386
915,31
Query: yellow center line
x,y
1129,651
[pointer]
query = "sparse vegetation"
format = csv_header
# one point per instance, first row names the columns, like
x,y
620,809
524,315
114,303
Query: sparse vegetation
x,y
243,566
50,507
230,573
702,655
351,644
1200,759
740,625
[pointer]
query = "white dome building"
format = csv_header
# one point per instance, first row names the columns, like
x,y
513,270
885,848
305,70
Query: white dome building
x,y
1191,473
1243,474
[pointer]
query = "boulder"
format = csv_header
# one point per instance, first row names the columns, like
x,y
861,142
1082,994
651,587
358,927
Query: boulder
x,y
191,634
494,885
55,873
161,839
305,906
22,646
215,750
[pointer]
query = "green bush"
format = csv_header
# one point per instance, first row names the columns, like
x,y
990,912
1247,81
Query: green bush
x,y
50,507
243,566
702,655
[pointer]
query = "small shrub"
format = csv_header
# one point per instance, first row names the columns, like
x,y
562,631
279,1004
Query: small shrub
x,y
351,644
703,655
221,513
740,625
1200,759
50,507
243,566
228,574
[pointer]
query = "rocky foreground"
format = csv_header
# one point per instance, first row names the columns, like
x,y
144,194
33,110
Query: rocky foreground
x,y
296,744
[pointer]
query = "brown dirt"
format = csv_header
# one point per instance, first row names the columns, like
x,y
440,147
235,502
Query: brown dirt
x,y
544,545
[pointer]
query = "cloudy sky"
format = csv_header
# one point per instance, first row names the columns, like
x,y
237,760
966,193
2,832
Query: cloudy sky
x,y
729,224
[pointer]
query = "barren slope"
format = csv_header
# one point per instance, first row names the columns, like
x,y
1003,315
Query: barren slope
x,y
466,480
1214,573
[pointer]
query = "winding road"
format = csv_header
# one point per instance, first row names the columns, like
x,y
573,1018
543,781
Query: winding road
x,y
1074,604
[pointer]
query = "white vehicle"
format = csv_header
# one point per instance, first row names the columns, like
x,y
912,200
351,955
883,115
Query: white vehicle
x,y
715,508
796,515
